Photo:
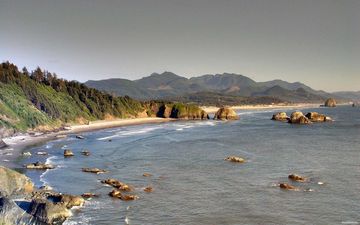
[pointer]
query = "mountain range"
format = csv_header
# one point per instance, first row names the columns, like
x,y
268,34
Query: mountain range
x,y
168,85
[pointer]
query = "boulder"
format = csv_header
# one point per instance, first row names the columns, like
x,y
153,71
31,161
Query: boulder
x,y
235,159
298,118
2,144
281,116
288,187
68,153
117,184
298,178
94,170
48,212
68,201
13,183
317,117
225,113
117,194
39,166
330,102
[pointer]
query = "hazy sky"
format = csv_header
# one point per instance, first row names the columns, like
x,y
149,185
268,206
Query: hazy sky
x,y
313,41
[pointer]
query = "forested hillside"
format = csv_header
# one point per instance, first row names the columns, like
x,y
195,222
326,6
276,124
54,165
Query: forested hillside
x,y
30,99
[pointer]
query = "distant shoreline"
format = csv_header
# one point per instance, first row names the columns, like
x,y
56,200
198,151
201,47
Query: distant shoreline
x,y
213,109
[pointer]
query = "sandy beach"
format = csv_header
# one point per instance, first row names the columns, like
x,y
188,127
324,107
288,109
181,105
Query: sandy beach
x,y
16,144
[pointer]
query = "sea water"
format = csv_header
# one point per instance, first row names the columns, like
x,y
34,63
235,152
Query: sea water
x,y
194,185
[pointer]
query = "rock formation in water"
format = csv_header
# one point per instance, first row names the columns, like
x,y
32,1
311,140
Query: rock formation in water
x,y
280,116
298,118
68,153
330,102
38,206
225,113
317,117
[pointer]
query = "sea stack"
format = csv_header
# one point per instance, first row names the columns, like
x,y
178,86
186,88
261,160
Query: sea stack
x,y
330,102
225,113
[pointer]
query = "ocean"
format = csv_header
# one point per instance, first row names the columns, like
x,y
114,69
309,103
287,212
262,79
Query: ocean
x,y
194,185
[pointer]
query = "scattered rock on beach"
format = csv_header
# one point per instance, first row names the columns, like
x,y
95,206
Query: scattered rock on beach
x,y
41,153
12,182
235,159
225,113
68,153
89,195
117,184
26,153
2,144
330,102
39,166
94,170
280,116
85,153
298,178
298,118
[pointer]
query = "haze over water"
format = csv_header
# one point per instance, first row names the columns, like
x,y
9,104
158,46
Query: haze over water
x,y
194,185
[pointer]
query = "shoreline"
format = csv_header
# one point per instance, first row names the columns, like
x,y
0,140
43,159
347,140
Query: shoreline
x,y
17,143
213,109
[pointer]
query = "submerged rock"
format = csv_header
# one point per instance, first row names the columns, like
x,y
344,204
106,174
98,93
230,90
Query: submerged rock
x,y
330,102
298,118
281,116
13,183
68,153
235,159
298,178
117,184
225,113
317,117
288,187
94,170
148,189
85,153
79,137
39,166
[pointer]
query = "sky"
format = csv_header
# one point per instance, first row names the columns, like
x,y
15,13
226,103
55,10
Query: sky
x,y
316,42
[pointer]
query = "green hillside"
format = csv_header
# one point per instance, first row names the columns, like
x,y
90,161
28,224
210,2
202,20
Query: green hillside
x,y
33,99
